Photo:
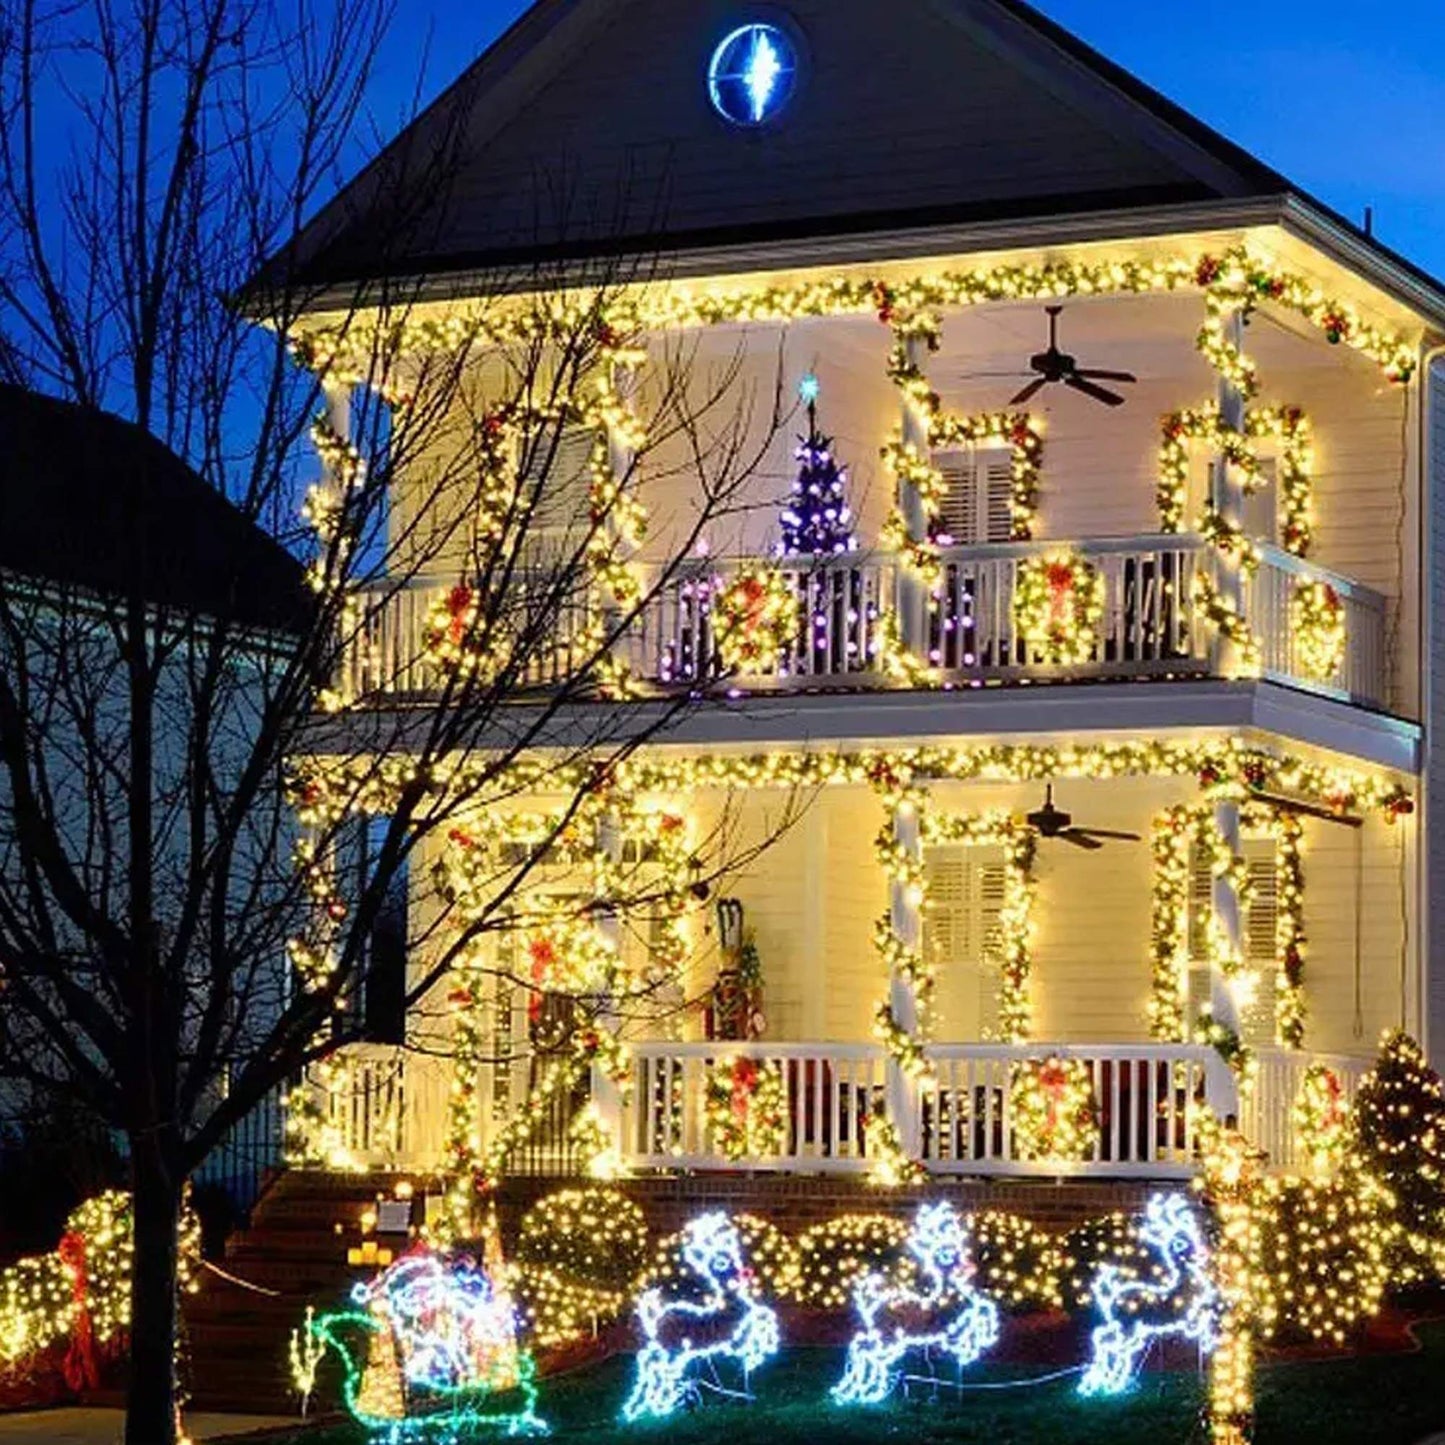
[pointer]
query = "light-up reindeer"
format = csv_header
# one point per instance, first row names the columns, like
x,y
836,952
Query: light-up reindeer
x,y
945,1314
1182,1300
686,1339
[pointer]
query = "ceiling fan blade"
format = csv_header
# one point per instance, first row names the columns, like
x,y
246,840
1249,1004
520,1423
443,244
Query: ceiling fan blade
x,y
1094,374
1110,833
1309,810
1089,389
993,375
1030,391
1080,839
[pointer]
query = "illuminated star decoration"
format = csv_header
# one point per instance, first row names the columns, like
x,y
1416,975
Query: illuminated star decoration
x,y
453,1331
761,72
947,1314
809,389
1183,1301
686,1340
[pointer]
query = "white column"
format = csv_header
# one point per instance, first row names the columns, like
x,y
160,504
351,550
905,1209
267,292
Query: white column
x,y
1227,495
1223,1087
620,458
606,1095
912,595
814,905
907,920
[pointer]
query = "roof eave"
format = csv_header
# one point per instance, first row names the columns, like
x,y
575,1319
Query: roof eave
x,y
1310,221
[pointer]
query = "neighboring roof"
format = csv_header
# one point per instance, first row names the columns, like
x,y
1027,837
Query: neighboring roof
x,y
586,131
91,501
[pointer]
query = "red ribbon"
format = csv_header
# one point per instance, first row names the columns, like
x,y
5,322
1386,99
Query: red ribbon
x,y
1054,1081
745,1083
80,1367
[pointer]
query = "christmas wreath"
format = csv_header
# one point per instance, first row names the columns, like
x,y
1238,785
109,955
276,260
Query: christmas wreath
x,y
755,621
1058,601
745,1108
1054,1111
1321,1118
1318,623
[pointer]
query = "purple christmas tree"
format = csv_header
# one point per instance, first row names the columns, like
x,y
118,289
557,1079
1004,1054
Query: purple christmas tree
x,y
816,520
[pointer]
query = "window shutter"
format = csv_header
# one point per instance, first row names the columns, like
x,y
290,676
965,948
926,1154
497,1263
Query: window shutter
x,y
1261,509
1201,902
958,511
1262,920
560,464
947,935
996,483
990,880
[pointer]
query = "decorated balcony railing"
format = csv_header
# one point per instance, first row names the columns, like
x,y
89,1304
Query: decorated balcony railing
x,y
1313,628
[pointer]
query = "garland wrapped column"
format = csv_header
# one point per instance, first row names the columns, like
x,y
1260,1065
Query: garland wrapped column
x,y
1226,956
905,911
606,1092
913,586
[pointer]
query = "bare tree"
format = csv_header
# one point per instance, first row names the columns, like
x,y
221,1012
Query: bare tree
x,y
177,784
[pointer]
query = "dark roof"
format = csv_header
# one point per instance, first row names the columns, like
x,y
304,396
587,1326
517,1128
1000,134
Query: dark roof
x,y
90,501
585,130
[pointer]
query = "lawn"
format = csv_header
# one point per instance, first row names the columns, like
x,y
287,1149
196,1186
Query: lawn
x,y
1379,1400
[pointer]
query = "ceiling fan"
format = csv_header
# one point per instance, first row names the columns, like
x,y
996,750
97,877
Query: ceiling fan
x,y
1053,823
1055,366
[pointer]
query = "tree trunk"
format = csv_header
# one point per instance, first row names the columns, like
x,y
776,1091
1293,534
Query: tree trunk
x,y
151,1404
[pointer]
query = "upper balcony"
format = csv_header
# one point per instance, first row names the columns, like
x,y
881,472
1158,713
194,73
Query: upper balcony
x,y
1149,625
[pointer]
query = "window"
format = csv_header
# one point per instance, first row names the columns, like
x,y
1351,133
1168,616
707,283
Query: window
x,y
1261,508
1259,927
976,503
380,994
962,937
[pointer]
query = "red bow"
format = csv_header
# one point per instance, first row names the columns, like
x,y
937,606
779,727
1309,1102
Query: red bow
x,y
81,1370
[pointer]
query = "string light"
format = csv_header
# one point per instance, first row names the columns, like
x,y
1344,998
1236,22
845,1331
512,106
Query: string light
x,y
745,1108
668,1364
946,1314
1318,630
1053,1109
1181,1300
1058,603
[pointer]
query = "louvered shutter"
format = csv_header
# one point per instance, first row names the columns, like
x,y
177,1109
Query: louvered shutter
x,y
947,933
1259,923
560,466
990,879
963,938
1261,508
976,505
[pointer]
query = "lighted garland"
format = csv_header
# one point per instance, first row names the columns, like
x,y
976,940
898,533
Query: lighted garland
x,y
890,1165
755,621
1289,998
745,1107
1317,628
1058,602
1234,280
1054,1110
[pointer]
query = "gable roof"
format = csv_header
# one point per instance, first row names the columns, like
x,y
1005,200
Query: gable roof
x,y
586,130
91,501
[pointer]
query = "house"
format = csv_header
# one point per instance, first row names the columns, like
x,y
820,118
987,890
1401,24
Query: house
x,y
95,511
1134,675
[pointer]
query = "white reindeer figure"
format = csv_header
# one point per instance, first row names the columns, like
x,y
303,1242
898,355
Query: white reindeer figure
x,y
946,1314
685,1337
1185,1301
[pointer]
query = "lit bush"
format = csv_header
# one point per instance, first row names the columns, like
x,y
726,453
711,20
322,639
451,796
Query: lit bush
x,y
832,1255
1113,1240
578,1253
766,1251
1018,1263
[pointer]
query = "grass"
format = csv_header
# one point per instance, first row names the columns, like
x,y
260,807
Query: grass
x,y
1379,1400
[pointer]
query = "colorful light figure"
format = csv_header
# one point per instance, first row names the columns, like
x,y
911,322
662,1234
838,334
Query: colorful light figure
x,y
453,1330
1183,1301
686,1338
947,1314
751,74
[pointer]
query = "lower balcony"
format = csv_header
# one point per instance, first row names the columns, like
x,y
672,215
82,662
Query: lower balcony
x,y
969,631
391,1112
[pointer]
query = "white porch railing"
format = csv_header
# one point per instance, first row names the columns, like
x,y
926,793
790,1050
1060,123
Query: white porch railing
x,y
1149,627
1267,1115
830,1092
1268,598
391,1111
1143,1093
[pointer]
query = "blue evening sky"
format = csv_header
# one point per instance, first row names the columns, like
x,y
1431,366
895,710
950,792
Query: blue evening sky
x,y
1346,97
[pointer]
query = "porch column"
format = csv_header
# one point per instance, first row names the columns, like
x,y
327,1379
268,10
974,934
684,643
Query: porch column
x,y
1222,1085
907,920
1227,496
620,458
336,403
606,1095
912,595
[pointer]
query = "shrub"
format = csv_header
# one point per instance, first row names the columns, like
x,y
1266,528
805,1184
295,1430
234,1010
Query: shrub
x,y
1321,1267
578,1253
1112,1239
765,1249
1018,1263
832,1255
